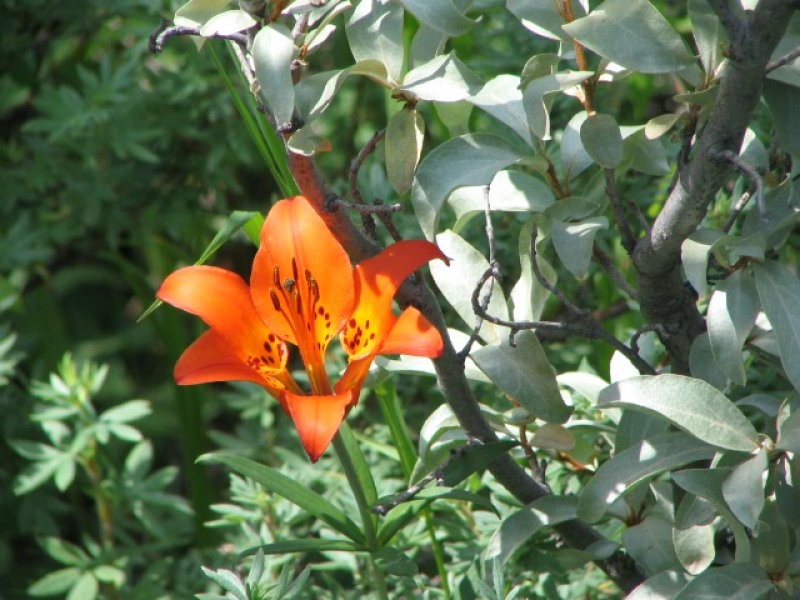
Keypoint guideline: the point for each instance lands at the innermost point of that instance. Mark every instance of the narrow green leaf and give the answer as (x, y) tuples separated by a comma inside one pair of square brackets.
[(709, 34), (236, 220), (535, 98), (127, 412), (359, 464), (732, 312), (405, 133), (228, 581), (273, 53), (694, 256), (642, 461), (664, 586), (305, 545), (442, 79), (690, 404), (54, 583), (288, 488), (395, 420), (779, 291), (524, 374), (634, 34), (649, 543), (85, 588)]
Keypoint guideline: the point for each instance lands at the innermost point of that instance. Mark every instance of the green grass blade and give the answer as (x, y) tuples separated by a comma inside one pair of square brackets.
[(288, 488)]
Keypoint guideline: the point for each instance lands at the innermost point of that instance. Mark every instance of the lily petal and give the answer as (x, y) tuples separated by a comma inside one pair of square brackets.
[(317, 419), (414, 335), (209, 360), (298, 249), (222, 299), (377, 281)]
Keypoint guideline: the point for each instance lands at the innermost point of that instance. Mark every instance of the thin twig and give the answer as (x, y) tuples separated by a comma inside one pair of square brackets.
[(436, 475), (537, 468), (737, 208), (783, 60), (657, 327), (366, 209), (386, 219), (494, 273), (352, 179), (628, 238), (163, 33), (752, 174)]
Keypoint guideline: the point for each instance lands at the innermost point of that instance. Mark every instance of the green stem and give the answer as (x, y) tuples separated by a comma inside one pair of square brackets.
[(380, 581), (367, 516), (360, 492), (438, 552)]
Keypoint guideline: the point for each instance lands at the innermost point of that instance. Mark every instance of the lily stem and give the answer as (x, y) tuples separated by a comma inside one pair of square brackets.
[(367, 517)]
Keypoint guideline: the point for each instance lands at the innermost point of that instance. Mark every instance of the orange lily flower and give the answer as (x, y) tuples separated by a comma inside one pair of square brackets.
[(303, 291)]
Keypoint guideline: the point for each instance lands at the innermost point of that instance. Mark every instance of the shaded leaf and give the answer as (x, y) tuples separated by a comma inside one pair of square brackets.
[(743, 489), (273, 53), (732, 582), (405, 133), (602, 139)]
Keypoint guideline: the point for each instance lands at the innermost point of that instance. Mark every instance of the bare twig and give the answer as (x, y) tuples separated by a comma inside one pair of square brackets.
[(751, 173), (657, 327), (737, 208), (352, 179), (163, 33), (436, 475), (364, 209), (493, 273), (783, 60), (537, 468), (388, 223)]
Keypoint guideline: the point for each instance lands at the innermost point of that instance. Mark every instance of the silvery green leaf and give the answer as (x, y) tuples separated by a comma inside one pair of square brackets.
[(455, 116), (789, 73), (529, 295), (709, 35), (640, 462), (647, 156), (471, 159), (779, 291), (772, 229), (427, 44), (405, 133), (196, 12), (441, 15), (658, 126), (273, 53), (602, 139), (753, 151), (535, 98), (457, 282), (443, 79), (649, 543), (315, 93), (226, 23), (574, 158), (693, 534), (375, 31), (703, 365), (502, 99), (743, 489), (738, 581), (632, 33), (694, 256), (542, 17), (539, 65), (732, 312), (633, 427), (524, 374), (664, 586), (782, 100), (520, 526), (511, 191), (690, 404), (573, 242)]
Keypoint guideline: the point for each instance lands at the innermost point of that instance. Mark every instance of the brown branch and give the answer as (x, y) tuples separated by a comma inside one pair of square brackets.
[(750, 172), (783, 60), (352, 179), (662, 295), (163, 33)]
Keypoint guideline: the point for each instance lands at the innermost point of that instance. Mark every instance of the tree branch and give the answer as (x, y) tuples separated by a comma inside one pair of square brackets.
[(662, 295)]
